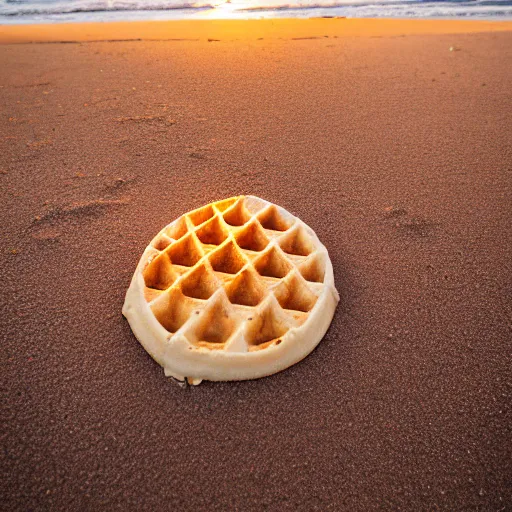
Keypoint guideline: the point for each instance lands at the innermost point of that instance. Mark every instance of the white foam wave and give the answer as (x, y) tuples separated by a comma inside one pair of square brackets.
[(33, 11)]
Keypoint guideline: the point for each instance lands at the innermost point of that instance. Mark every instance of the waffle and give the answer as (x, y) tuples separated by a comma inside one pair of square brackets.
[(235, 290)]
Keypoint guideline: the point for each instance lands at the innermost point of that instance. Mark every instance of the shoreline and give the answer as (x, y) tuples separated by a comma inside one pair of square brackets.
[(218, 30)]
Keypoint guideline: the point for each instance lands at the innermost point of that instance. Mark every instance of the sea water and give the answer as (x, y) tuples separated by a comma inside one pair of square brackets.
[(54, 11)]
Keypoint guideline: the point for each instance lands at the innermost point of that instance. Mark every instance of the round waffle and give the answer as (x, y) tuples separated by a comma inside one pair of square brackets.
[(235, 290)]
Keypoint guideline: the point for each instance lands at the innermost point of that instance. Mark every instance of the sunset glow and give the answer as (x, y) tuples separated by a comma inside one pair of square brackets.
[(222, 10)]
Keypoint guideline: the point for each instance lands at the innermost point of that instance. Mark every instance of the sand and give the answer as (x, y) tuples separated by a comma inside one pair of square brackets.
[(394, 148)]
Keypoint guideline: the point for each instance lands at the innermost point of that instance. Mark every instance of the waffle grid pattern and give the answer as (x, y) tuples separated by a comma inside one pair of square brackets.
[(234, 275)]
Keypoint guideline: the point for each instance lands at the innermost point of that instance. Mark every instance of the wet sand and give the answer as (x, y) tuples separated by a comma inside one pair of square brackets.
[(394, 145)]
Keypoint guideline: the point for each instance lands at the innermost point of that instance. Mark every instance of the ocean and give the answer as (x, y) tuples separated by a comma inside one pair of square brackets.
[(60, 11)]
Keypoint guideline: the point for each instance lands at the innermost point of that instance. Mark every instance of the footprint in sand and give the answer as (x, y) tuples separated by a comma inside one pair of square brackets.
[(50, 226), (115, 186), (415, 227)]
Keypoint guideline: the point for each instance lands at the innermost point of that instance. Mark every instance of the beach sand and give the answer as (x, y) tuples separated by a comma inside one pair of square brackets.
[(391, 139)]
